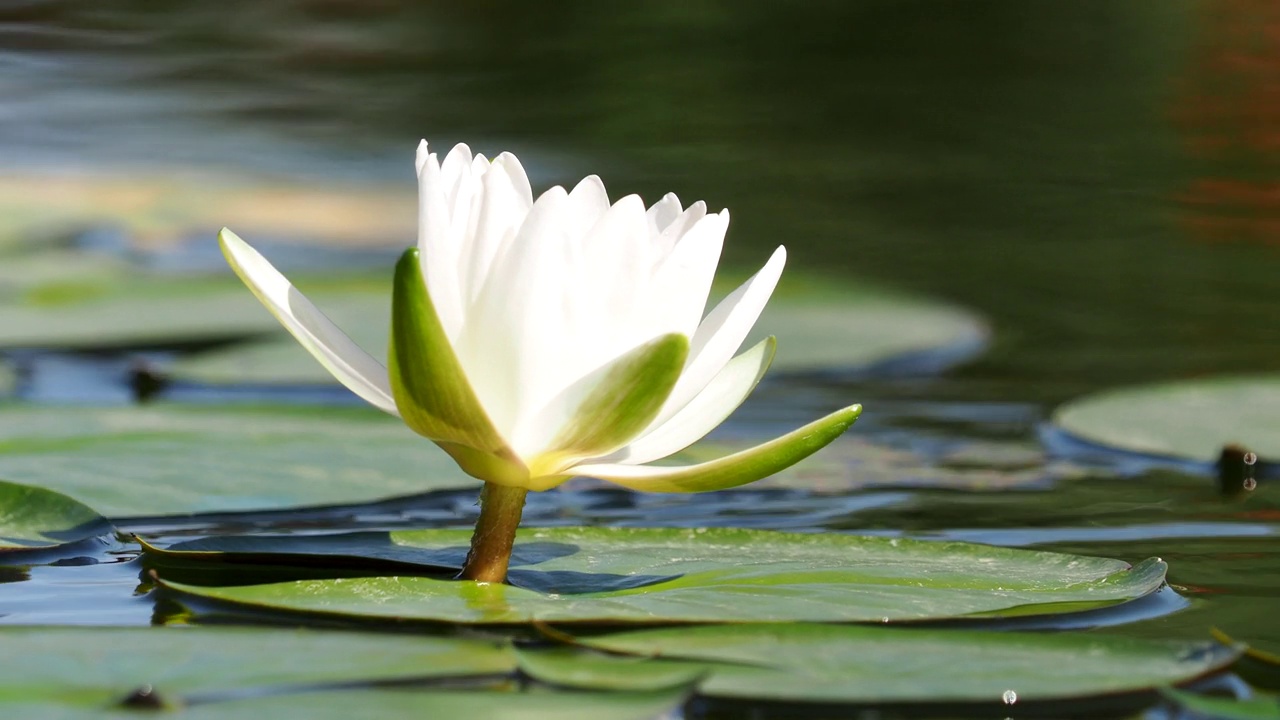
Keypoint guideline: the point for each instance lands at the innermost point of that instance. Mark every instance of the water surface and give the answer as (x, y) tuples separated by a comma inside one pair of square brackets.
[(1097, 178)]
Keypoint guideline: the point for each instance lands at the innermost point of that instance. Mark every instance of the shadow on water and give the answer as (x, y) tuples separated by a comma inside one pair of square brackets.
[(10, 574)]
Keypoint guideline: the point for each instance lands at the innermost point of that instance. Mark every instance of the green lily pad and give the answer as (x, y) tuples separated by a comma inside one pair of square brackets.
[(197, 673), (33, 518), (159, 460), (622, 575), (875, 665), (76, 673), (123, 308), (1190, 420), (96, 667), (1260, 707), (820, 324), (830, 323), (572, 668), (509, 704), (54, 275)]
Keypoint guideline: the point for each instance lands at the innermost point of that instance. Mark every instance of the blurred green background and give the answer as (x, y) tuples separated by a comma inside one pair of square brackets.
[(1096, 177)]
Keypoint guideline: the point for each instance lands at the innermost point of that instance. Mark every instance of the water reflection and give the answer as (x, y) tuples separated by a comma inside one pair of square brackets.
[(1228, 115)]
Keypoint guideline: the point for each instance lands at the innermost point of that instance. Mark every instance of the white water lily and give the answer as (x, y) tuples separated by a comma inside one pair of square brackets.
[(536, 340)]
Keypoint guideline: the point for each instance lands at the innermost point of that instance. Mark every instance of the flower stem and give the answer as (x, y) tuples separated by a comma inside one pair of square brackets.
[(500, 509)]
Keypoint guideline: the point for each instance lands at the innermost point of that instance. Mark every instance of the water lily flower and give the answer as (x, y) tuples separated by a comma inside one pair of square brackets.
[(537, 340)]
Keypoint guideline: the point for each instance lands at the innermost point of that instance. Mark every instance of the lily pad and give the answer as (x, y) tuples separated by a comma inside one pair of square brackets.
[(50, 275), (508, 704), (573, 668), (826, 323), (198, 673), (97, 667), (122, 309), (820, 325), (1260, 707), (159, 460), (33, 518), (621, 575), (1190, 420), (875, 665)]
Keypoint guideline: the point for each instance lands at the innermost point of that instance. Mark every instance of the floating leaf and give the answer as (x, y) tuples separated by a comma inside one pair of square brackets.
[(1260, 707), (96, 667), (254, 673), (33, 518), (567, 667), (830, 323), (157, 460), (877, 665), (1191, 419), (123, 309), (711, 575), (511, 704)]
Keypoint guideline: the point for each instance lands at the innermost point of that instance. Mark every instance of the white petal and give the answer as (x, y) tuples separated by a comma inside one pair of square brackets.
[(519, 179), (460, 185), (672, 234), (681, 284), (615, 278), (588, 202), (512, 346), (438, 248), (504, 206), (726, 391), (663, 212), (351, 365), (421, 158), (455, 163), (722, 332)]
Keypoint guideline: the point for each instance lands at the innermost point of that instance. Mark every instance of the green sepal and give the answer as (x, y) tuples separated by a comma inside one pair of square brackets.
[(430, 388), (733, 470), (624, 397)]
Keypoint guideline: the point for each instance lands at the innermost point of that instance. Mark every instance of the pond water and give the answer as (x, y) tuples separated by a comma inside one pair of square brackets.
[(1096, 179)]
